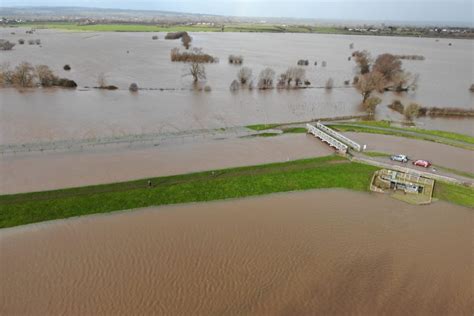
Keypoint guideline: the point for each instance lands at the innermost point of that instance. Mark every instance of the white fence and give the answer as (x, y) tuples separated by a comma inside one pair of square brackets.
[(327, 138), (340, 137)]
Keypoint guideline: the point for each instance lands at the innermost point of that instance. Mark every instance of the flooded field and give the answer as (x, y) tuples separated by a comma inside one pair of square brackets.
[(317, 252), (53, 170), (54, 114)]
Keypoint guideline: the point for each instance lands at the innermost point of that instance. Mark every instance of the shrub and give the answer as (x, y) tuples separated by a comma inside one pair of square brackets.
[(154, 37), (207, 88), (351, 46), (265, 79), (234, 86), (65, 83), (6, 75), (397, 106), (133, 87), (355, 80), (101, 80), (37, 41), (329, 84), (31, 42), (67, 67), (303, 62), (196, 55), (472, 88), (307, 83), (6, 45), (244, 75), (237, 60), (324, 63), (21, 41), (175, 35), (347, 82), (363, 61), (45, 76), (412, 111)]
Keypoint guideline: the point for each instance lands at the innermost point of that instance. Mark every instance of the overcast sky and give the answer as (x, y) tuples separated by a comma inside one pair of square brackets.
[(380, 10)]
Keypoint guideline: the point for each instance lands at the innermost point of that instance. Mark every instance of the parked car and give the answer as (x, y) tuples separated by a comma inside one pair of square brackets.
[(401, 158), (422, 163)]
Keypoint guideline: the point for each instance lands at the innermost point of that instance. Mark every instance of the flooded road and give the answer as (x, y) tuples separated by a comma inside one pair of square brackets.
[(52, 114), (49, 170), (328, 252)]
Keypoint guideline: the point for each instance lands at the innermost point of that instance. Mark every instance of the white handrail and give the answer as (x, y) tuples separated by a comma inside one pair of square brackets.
[(340, 137), (327, 138)]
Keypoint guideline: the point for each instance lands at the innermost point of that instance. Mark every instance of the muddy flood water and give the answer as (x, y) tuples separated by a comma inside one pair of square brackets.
[(331, 252), (56, 114)]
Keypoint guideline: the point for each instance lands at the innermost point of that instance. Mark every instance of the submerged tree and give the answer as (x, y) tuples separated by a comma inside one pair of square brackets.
[(265, 79), (24, 75), (368, 83), (363, 61), (244, 75), (197, 71), (186, 40)]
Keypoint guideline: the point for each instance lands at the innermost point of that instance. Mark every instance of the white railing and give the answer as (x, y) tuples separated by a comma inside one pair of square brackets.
[(340, 137), (327, 138)]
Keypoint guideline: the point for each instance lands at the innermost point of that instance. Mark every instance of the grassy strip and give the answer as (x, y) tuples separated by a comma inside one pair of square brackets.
[(455, 171), (454, 193), (294, 130), (399, 133), (444, 134), (375, 154), (325, 172), (262, 127)]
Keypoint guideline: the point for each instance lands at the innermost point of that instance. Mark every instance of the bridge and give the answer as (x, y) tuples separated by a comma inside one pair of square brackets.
[(349, 142), (325, 137)]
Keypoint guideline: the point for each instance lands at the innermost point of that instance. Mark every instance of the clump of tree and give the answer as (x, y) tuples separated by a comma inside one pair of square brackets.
[(324, 64), (294, 75), (186, 40), (244, 75), (21, 41), (133, 87), (370, 105), (303, 62), (37, 41), (175, 35), (207, 88), (471, 88), (347, 82), (25, 75), (195, 55), (329, 84), (265, 78), (385, 74), (31, 42), (67, 67), (397, 106), (197, 71), (6, 45), (236, 60), (154, 37)]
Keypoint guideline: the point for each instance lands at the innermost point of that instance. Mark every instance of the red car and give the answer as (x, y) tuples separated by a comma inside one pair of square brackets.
[(422, 163)]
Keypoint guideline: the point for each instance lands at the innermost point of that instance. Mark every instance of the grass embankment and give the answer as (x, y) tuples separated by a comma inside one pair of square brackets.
[(325, 172), (454, 193)]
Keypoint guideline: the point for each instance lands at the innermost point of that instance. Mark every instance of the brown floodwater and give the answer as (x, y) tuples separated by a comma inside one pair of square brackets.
[(329, 252), (53, 114), (56, 170)]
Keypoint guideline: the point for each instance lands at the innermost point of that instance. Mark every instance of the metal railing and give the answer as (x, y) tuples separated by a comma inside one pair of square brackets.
[(340, 137), (327, 138)]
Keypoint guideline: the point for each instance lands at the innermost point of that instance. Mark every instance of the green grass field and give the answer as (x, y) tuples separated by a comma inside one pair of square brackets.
[(232, 27)]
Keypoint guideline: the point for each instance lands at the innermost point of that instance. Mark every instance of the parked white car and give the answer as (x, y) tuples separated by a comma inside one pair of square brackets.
[(400, 158)]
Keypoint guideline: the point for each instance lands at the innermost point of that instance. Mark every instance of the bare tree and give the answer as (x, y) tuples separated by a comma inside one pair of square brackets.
[(133, 87), (45, 76), (197, 71), (329, 84), (388, 65), (238, 60), (471, 88), (244, 75), (265, 79), (24, 75), (368, 83), (186, 40), (6, 75), (370, 105), (21, 41), (101, 80), (234, 86), (404, 81), (363, 61)]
